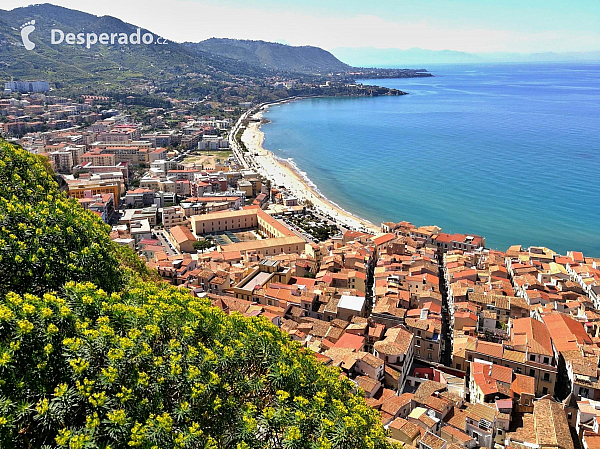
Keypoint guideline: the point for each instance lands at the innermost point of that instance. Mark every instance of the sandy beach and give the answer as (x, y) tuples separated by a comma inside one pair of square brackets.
[(282, 173)]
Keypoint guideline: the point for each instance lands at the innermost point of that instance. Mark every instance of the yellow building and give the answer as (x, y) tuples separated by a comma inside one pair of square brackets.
[(78, 190)]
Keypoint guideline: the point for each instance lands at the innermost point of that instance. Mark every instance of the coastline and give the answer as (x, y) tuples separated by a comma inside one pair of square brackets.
[(285, 173)]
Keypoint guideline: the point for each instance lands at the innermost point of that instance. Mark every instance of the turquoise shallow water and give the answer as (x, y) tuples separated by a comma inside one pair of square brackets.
[(510, 152)]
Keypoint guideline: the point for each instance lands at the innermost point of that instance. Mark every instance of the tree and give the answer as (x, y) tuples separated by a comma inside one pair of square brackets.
[(202, 245)]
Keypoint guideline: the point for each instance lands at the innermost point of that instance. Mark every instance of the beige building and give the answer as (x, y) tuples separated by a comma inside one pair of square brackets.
[(544, 374), (404, 431), (428, 341), (174, 216), (224, 221), (98, 159), (182, 238), (278, 238)]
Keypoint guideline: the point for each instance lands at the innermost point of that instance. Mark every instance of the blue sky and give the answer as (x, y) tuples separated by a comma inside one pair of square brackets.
[(522, 26)]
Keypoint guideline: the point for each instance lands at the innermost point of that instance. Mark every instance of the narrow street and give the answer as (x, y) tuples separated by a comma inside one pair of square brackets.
[(446, 332)]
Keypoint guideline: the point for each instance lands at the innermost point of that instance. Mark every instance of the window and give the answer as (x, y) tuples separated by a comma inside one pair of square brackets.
[(532, 357), (544, 390), (546, 377), (499, 431), (518, 370), (458, 366), (532, 372), (546, 360)]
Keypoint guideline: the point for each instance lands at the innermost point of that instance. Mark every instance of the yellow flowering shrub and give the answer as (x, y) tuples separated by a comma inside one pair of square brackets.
[(99, 355), (34, 247)]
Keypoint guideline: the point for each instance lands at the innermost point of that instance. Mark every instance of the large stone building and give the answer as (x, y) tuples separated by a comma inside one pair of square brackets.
[(278, 239)]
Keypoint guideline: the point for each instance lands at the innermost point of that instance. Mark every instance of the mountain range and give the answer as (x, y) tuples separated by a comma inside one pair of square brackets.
[(219, 59), (110, 63), (394, 57)]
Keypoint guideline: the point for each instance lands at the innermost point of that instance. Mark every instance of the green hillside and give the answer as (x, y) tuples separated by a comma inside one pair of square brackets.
[(96, 353), (107, 63), (270, 55)]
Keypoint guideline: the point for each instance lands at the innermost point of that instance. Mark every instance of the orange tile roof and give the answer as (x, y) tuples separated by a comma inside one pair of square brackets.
[(534, 334), (409, 429), (488, 348), (351, 341), (182, 234), (523, 384), (383, 239), (566, 333)]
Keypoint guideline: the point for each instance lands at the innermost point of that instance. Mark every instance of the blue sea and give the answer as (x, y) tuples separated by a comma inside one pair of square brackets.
[(509, 152)]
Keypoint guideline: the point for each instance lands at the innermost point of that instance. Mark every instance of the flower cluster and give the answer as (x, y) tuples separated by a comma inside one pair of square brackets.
[(138, 363), (154, 366), (45, 238)]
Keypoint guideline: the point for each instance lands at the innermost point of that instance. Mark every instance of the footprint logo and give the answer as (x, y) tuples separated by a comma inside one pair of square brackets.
[(26, 30)]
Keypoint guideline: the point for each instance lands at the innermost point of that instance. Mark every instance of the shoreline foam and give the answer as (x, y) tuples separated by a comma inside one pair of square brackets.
[(286, 173)]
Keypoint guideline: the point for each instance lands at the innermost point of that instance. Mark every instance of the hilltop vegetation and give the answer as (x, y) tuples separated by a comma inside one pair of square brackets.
[(45, 238), (99, 354), (274, 56), (225, 71), (100, 63)]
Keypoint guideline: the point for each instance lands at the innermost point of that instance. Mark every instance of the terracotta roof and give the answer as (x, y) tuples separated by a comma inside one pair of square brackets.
[(182, 234), (488, 348), (526, 433), (351, 341), (458, 434), (551, 426), (458, 418), (367, 383), (566, 333), (590, 439), (523, 385), (533, 334), (437, 404), (515, 356), (583, 365), (409, 429), (501, 373), (432, 441), (371, 360), (393, 404), (481, 411), (426, 389), (383, 239)]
